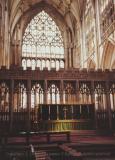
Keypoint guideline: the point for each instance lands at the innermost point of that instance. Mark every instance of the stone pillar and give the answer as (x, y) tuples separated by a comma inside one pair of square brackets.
[(12, 56), (72, 57), (6, 54), (18, 45), (97, 32), (66, 57), (0, 19), (16, 53), (83, 48), (1, 38), (69, 57)]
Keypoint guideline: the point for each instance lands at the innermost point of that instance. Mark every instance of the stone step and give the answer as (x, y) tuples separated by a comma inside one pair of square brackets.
[(41, 155)]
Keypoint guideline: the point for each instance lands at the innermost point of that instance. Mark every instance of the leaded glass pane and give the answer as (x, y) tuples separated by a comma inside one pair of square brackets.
[(42, 39)]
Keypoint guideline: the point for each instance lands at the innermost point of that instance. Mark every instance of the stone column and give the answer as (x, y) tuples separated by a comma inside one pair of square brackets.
[(66, 58), (83, 48), (69, 57), (6, 54), (12, 56), (97, 32), (1, 38)]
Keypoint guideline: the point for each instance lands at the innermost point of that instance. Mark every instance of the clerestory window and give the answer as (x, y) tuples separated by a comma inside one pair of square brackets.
[(42, 44)]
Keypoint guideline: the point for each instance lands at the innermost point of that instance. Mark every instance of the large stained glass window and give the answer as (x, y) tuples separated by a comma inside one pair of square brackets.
[(42, 43)]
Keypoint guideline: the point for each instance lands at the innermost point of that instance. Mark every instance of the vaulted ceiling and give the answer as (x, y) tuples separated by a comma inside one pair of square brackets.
[(61, 5), (19, 7)]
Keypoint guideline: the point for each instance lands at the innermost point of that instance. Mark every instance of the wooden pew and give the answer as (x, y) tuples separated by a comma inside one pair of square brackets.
[(28, 135)]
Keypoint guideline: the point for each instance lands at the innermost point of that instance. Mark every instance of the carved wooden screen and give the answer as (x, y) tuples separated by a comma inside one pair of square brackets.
[(42, 43), (4, 97), (100, 96), (20, 97), (85, 93), (37, 95), (112, 96), (53, 94), (69, 93)]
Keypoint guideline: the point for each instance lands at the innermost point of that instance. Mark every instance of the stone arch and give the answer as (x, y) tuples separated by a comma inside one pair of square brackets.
[(108, 56), (91, 64), (26, 18)]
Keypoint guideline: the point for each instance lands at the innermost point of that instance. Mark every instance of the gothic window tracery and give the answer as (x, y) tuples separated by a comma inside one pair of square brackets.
[(42, 41)]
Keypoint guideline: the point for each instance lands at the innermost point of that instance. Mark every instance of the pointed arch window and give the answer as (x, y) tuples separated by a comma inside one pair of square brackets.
[(42, 40)]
